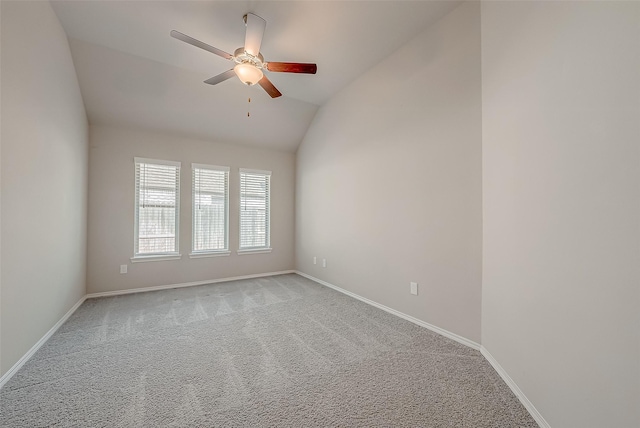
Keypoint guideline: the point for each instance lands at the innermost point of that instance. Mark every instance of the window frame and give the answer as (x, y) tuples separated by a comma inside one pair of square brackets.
[(261, 249), (159, 256), (209, 253)]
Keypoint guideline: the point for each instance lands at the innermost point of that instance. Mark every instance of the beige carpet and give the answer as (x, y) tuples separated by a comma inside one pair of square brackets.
[(280, 351)]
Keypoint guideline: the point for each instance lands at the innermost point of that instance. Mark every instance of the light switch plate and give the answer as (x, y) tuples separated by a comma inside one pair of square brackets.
[(413, 288)]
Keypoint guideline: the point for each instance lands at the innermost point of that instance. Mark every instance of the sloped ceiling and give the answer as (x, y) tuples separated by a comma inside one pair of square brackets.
[(132, 73)]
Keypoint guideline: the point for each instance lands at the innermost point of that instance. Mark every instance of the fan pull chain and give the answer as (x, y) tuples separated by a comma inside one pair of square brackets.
[(248, 114)]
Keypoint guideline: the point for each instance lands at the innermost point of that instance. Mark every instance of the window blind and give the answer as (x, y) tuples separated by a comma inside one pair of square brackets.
[(210, 208), (254, 209), (157, 207)]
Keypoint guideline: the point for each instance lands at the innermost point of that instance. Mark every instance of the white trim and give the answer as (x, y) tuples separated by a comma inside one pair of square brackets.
[(18, 365), (227, 178), (136, 195), (254, 171), (185, 284), (155, 258), (156, 161), (13, 370), (211, 167), (535, 414), (253, 251), (441, 331), (209, 254)]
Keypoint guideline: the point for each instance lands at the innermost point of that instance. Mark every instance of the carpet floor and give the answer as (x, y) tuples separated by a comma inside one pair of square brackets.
[(280, 351)]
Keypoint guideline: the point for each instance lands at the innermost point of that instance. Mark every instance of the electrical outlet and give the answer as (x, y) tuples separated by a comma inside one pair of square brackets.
[(324, 263), (413, 288), (315, 260), (123, 268)]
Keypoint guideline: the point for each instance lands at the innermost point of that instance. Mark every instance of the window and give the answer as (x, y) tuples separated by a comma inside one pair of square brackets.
[(254, 210), (157, 208), (210, 210)]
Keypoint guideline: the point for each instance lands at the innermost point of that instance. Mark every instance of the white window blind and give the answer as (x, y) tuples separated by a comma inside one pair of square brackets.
[(157, 207), (254, 209), (210, 208)]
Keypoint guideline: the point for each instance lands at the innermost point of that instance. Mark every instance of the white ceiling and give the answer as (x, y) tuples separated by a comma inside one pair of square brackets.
[(132, 73)]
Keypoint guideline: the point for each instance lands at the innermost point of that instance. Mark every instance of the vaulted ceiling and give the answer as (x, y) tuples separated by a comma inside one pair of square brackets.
[(133, 74)]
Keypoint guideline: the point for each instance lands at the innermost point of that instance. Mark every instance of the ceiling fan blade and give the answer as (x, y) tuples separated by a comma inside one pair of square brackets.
[(292, 67), (195, 42), (221, 77), (255, 31), (268, 86)]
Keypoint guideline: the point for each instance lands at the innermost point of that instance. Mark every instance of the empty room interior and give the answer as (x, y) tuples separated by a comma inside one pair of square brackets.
[(320, 213)]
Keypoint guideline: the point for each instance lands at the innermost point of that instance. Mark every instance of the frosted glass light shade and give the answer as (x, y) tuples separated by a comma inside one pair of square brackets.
[(248, 74)]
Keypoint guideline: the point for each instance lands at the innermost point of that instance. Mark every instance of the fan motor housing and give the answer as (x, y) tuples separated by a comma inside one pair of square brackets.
[(241, 56)]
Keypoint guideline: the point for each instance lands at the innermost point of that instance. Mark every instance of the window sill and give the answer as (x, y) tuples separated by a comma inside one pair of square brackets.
[(253, 251), (209, 254), (156, 258)]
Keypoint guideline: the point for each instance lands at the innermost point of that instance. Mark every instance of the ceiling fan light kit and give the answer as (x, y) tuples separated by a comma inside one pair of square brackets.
[(248, 67), (248, 74), (249, 62)]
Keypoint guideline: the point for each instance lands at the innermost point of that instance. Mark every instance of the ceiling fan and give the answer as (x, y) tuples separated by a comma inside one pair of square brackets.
[(249, 62)]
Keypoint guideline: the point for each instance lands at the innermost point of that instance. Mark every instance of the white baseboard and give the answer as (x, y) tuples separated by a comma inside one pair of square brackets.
[(441, 331), (498, 368), (12, 371), (184, 284), (535, 414)]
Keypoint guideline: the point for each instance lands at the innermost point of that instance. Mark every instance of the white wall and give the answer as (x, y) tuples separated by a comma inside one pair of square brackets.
[(43, 177), (388, 185), (111, 209), (561, 140)]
